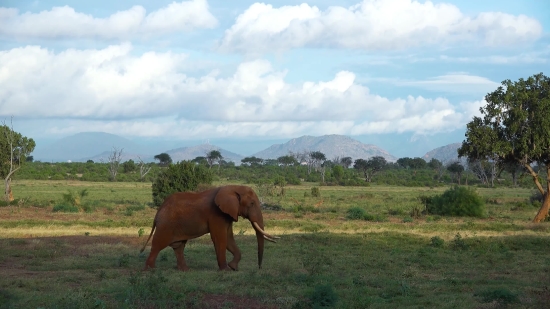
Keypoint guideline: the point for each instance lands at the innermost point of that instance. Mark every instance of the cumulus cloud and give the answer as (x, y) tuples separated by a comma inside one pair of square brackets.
[(65, 22), (372, 25), (151, 94)]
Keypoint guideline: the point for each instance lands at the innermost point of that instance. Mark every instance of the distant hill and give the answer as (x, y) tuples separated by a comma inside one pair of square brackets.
[(84, 146), (444, 154), (331, 145), (190, 153)]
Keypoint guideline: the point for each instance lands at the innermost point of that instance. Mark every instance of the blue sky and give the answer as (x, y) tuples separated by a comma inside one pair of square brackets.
[(405, 75)]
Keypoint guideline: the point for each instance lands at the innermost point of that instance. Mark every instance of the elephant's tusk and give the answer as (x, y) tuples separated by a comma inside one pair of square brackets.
[(270, 239), (266, 235)]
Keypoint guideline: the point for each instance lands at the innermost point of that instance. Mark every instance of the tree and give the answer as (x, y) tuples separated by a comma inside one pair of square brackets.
[(181, 177), (456, 169), (143, 169), (514, 168), (14, 149), (129, 166), (317, 159), (29, 159), (163, 158), (370, 167), (114, 162), (252, 161), (213, 156), (200, 160), (346, 162), (437, 166), (287, 160), (338, 172), (515, 127)]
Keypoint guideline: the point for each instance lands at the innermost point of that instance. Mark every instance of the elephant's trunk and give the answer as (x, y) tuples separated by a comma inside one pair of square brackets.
[(260, 238)]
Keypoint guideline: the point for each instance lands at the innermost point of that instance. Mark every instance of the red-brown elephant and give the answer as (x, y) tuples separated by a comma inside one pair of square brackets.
[(187, 215)]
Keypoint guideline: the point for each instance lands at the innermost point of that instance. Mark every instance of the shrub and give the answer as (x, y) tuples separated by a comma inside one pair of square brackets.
[(74, 199), (408, 220), (315, 192), (437, 242), (180, 177), (356, 213), (457, 201), (323, 296), (65, 208)]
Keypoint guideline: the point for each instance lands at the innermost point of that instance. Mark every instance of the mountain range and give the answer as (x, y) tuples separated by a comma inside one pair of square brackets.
[(97, 146)]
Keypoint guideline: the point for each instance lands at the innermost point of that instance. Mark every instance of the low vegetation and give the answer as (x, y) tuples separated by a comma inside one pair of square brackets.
[(341, 247)]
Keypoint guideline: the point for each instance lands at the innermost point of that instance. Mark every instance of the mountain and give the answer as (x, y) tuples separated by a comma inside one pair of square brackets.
[(190, 153), (331, 145), (444, 154), (86, 145)]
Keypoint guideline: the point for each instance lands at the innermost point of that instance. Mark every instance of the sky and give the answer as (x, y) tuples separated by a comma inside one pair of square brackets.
[(404, 75)]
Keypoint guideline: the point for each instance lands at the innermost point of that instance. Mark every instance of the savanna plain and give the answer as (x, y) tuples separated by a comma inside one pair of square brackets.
[(391, 256)]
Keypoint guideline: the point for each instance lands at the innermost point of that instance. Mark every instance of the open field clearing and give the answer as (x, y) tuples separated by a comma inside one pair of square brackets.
[(90, 258)]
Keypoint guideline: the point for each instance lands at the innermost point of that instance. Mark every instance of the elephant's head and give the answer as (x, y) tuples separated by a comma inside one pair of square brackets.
[(242, 201)]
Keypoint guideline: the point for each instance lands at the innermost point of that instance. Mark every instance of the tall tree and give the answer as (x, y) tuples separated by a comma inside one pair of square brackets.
[(515, 127), (14, 149), (456, 169), (346, 162), (163, 158), (214, 156), (317, 159), (370, 167)]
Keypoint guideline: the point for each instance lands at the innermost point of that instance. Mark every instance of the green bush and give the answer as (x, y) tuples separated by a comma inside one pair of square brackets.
[(65, 208), (437, 242), (315, 192), (356, 213), (180, 177), (323, 296), (457, 201)]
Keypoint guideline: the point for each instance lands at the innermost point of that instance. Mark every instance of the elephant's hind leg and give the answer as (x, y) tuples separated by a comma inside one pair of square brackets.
[(232, 247), (178, 250), (160, 241)]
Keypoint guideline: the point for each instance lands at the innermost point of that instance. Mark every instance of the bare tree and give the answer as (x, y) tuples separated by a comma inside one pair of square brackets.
[(114, 162), (143, 169), (300, 156)]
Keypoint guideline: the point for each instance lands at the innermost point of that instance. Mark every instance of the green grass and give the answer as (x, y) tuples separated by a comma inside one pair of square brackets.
[(384, 256)]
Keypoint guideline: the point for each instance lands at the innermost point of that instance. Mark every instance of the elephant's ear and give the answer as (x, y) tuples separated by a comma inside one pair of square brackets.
[(228, 200)]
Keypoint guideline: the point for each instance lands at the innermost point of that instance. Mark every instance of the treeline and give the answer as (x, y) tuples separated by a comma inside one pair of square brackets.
[(293, 169)]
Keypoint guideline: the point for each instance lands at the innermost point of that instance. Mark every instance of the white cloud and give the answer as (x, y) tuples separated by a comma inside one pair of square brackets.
[(455, 82), (65, 22), (372, 25), (151, 95)]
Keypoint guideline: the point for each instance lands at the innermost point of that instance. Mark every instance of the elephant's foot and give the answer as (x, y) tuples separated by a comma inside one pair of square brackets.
[(183, 268), (226, 268), (233, 265)]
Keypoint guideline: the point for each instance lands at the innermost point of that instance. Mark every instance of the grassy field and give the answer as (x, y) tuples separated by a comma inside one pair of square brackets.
[(90, 258)]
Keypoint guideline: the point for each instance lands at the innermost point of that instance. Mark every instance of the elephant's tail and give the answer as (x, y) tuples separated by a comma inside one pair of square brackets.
[(152, 230)]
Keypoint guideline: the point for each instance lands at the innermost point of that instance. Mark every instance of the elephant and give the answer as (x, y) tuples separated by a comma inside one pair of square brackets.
[(187, 215)]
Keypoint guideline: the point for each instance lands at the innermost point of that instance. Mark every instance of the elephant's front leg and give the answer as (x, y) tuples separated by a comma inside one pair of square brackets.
[(232, 247), (219, 238), (178, 250)]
